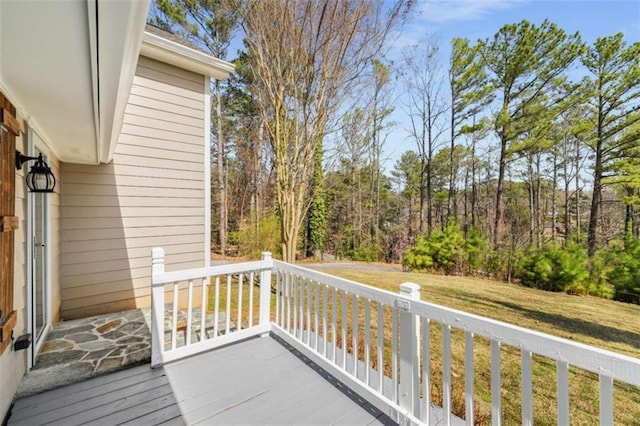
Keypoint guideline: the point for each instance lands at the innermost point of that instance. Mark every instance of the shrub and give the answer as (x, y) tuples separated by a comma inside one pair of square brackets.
[(360, 248), (624, 270), (444, 251), (252, 240), (366, 253), (476, 247), (598, 284), (555, 268), (418, 257)]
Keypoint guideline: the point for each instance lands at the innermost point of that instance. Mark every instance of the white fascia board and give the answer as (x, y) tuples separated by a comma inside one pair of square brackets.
[(119, 47), (161, 49), (92, 13)]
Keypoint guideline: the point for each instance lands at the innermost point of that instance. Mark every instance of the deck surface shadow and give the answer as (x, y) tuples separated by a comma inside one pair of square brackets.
[(258, 381)]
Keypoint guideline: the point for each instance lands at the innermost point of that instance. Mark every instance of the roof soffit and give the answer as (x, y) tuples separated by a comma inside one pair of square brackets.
[(68, 67)]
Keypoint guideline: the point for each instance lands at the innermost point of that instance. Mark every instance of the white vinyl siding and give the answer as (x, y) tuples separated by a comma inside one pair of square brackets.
[(54, 235), (152, 194)]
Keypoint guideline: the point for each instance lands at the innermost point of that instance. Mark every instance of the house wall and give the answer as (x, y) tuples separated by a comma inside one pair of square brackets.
[(13, 364), (54, 238), (153, 193)]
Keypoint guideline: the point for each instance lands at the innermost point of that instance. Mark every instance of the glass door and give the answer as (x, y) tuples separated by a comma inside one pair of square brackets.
[(38, 213), (40, 314)]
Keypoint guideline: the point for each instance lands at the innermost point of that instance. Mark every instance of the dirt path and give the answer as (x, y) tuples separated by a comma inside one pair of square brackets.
[(351, 266), (355, 266)]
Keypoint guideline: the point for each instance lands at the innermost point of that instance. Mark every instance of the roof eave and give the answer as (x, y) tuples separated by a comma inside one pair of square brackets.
[(167, 51), (116, 72)]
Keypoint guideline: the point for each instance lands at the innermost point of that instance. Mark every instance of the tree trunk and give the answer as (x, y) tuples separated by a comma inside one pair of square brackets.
[(450, 199), (466, 201), (537, 210), (355, 204), (222, 194), (502, 165), (532, 197), (474, 189), (410, 221), (597, 190), (578, 217), (422, 194), (628, 216), (290, 228), (554, 205), (429, 196), (375, 166), (254, 173), (595, 203), (567, 196)]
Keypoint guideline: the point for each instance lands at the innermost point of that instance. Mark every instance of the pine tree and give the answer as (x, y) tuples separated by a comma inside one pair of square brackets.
[(470, 94), (614, 89), (524, 61)]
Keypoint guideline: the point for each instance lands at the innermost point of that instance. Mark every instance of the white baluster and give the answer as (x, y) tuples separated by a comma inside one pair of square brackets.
[(409, 386), (157, 307)]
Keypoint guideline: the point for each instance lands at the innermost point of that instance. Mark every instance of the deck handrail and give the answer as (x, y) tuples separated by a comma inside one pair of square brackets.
[(337, 323), (198, 322), (412, 316), (600, 361)]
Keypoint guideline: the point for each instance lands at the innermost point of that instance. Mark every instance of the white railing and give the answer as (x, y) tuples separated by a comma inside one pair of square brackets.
[(383, 344), (208, 308)]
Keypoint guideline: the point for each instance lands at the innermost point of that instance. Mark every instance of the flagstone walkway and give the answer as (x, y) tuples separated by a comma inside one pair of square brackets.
[(79, 349)]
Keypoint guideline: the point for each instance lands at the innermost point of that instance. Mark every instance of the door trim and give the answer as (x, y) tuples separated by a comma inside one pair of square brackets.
[(35, 142)]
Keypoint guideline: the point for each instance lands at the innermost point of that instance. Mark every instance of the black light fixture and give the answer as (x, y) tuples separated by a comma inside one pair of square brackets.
[(40, 178)]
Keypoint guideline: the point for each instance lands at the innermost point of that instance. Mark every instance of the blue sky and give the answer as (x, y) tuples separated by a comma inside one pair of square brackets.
[(476, 19)]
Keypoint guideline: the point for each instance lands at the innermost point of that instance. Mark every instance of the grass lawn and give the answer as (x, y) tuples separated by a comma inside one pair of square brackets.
[(606, 324)]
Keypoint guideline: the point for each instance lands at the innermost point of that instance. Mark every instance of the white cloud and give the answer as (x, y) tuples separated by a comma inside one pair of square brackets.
[(463, 10), (436, 16)]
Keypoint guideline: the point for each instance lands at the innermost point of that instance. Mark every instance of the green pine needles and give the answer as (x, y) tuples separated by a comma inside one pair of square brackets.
[(447, 251)]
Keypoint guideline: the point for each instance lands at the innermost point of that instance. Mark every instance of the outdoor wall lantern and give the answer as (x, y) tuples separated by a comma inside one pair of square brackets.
[(40, 178)]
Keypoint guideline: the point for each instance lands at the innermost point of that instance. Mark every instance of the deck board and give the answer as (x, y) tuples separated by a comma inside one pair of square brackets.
[(131, 394), (268, 384), (61, 408), (154, 411), (124, 404), (91, 386), (258, 381)]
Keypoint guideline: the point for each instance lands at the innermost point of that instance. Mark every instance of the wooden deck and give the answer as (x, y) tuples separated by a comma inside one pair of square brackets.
[(259, 381)]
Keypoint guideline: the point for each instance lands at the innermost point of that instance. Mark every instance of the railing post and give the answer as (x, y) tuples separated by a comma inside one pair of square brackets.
[(409, 386), (157, 307), (265, 290)]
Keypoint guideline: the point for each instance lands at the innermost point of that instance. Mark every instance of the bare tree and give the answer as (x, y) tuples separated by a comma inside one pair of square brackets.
[(426, 109), (356, 144), (309, 55), (210, 26), (380, 109)]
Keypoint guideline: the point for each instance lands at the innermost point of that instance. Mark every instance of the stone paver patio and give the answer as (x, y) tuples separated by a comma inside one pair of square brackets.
[(79, 349)]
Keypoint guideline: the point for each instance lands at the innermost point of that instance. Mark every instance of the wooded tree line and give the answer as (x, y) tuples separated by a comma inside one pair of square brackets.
[(525, 140)]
